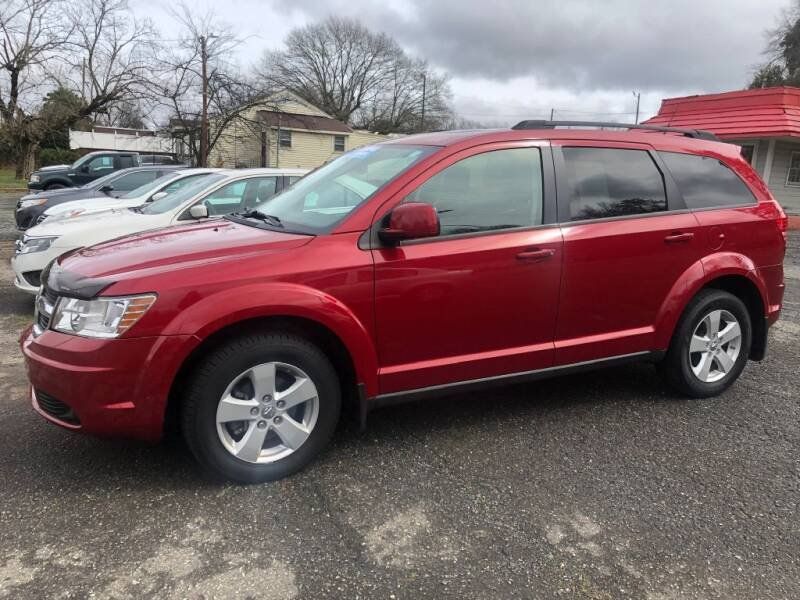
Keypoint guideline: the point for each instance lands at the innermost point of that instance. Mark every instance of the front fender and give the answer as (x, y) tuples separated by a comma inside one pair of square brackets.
[(275, 299), (693, 279)]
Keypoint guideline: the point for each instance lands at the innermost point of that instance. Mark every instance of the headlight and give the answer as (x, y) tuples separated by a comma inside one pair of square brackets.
[(101, 317), (34, 179), (35, 244), (32, 202)]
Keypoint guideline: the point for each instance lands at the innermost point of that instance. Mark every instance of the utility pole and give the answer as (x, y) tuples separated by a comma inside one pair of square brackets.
[(638, 96), (552, 113), (422, 119), (204, 112)]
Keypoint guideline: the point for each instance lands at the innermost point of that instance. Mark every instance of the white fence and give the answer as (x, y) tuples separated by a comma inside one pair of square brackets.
[(95, 140)]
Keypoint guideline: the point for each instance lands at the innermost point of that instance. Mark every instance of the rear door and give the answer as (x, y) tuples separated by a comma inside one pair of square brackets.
[(627, 239)]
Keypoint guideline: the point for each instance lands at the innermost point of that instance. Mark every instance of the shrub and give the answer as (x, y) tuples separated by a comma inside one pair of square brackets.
[(57, 156)]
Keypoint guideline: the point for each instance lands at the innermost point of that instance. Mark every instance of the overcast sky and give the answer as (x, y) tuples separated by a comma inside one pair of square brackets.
[(512, 59)]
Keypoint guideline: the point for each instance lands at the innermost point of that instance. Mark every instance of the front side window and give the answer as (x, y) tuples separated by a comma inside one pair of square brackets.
[(323, 198), (705, 182), (131, 181), (100, 163), (612, 182), (285, 138), (186, 193), (240, 195), (793, 176), (495, 190)]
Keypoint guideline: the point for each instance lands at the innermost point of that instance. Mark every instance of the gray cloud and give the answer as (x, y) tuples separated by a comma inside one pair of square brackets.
[(669, 45)]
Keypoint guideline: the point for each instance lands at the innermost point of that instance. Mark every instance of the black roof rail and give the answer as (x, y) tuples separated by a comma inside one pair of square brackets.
[(543, 124)]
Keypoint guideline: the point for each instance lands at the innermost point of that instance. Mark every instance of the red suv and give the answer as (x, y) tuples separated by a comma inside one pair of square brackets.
[(419, 266)]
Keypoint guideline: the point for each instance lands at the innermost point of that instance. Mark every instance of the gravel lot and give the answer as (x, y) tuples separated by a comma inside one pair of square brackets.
[(596, 486)]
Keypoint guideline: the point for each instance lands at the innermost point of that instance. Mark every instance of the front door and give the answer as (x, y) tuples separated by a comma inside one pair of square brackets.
[(479, 300)]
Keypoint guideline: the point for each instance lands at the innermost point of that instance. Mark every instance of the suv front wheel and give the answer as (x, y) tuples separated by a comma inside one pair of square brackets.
[(710, 346), (261, 407)]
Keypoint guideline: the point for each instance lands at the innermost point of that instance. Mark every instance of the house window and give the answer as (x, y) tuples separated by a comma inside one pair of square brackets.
[(793, 177), (338, 143), (748, 152), (285, 138)]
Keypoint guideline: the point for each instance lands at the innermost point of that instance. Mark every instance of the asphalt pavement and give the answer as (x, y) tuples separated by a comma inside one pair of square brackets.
[(594, 486)]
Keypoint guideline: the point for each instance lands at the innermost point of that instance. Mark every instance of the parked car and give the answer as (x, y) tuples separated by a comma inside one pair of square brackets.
[(419, 266), (31, 207), (213, 195), (87, 168), (155, 190)]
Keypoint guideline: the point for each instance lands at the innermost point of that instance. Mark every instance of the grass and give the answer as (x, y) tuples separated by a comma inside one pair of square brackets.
[(8, 181)]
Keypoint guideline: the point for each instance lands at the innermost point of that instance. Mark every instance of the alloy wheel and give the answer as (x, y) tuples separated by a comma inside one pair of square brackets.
[(715, 346), (267, 412)]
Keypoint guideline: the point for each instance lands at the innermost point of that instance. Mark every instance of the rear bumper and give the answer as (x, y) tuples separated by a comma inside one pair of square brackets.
[(109, 388)]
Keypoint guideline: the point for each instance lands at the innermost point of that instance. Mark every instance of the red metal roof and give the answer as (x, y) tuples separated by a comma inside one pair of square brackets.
[(766, 112)]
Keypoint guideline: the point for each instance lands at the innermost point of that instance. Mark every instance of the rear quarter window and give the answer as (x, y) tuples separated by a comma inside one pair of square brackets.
[(706, 182)]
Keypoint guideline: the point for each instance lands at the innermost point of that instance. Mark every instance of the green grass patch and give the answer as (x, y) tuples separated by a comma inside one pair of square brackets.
[(8, 181)]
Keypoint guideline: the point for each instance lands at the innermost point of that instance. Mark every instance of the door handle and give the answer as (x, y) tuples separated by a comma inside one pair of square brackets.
[(676, 238), (536, 255)]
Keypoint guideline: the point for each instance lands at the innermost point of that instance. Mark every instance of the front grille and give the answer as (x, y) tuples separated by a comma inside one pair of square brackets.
[(55, 408), (33, 278), (50, 296)]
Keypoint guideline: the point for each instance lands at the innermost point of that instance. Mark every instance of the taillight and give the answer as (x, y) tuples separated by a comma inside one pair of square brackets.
[(783, 226)]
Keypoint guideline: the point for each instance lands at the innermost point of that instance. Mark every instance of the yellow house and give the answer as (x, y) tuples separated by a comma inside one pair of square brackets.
[(284, 131)]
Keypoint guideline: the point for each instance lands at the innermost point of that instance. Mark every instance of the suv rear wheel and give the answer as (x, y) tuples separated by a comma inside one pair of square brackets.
[(261, 407), (710, 346)]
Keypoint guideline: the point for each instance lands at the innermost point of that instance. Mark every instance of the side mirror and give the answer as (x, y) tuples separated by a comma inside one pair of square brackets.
[(157, 196), (199, 211), (410, 221), (107, 188)]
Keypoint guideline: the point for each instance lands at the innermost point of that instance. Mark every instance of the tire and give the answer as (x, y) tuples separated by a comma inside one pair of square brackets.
[(54, 186), (684, 369), (229, 383)]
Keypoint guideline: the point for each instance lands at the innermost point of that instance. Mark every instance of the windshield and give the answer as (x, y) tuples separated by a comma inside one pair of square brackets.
[(176, 199), (321, 199)]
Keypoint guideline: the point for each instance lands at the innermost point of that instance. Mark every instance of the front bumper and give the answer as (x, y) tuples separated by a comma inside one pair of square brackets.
[(25, 266), (109, 388)]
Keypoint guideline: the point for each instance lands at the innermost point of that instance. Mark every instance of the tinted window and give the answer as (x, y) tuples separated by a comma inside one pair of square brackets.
[(608, 182), (706, 182), (126, 162), (131, 181), (494, 190)]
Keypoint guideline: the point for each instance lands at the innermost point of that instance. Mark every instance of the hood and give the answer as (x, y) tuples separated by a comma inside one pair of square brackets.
[(88, 227), (52, 168), (69, 194), (97, 204), (182, 246)]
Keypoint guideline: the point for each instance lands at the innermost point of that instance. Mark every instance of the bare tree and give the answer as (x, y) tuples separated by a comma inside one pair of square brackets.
[(358, 76), (414, 98), (95, 48), (337, 65), (179, 84), (31, 31)]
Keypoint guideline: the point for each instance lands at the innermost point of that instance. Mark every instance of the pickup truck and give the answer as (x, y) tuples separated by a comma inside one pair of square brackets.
[(87, 168)]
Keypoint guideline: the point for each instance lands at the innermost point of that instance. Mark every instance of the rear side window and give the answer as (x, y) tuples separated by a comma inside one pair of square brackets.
[(612, 182), (706, 182)]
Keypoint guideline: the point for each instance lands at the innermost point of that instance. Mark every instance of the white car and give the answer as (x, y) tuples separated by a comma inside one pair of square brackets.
[(155, 190), (213, 195)]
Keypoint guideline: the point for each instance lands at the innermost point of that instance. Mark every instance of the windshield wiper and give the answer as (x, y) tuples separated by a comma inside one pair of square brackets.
[(257, 214)]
